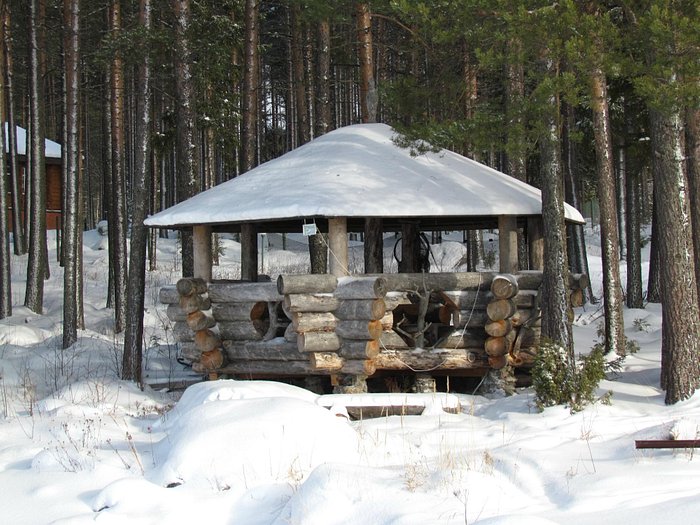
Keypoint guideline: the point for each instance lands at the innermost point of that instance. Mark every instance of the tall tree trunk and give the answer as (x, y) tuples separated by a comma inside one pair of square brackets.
[(5, 281), (680, 344), (107, 203), (654, 276), (692, 128), (576, 242), (633, 181), (38, 260), (249, 90), (556, 325), (187, 155), (301, 107), (117, 219), (620, 185), (72, 244), (374, 238), (133, 337), (368, 87), (318, 244), (249, 128), (612, 285), (18, 225)]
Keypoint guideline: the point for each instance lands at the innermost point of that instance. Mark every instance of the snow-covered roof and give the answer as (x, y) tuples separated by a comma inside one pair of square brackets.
[(52, 149), (354, 172)]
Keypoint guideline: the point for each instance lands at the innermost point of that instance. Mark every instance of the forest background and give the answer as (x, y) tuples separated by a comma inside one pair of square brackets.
[(155, 100)]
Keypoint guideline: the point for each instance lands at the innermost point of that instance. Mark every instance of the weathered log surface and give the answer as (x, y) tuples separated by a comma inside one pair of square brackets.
[(313, 322), (168, 295), (238, 311), (469, 338), (500, 309), (359, 349), (175, 313), (243, 292), (182, 332), (207, 340), (192, 303), (362, 287), (470, 319), (189, 352), (393, 299), (210, 360), (358, 368), (390, 339), (499, 346), (504, 286), (468, 300), (318, 342), (372, 309), (274, 350), (306, 284), (429, 360), (240, 331), (199, 321), (290, 335), (498, 328), (190, 286), (359, 329), (325, 361), (310, 303), (262, 368), (439, 281), (497, 362)]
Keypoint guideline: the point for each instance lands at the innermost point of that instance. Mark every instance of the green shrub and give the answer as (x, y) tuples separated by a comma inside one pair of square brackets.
[(561, 379)]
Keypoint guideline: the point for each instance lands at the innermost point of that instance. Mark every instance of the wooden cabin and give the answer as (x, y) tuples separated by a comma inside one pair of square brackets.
[(351, 327), (54, 179)]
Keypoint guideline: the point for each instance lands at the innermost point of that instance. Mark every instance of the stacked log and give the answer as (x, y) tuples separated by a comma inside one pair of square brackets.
[(193, 324), (359, 328), (321, 324), (248, 311)]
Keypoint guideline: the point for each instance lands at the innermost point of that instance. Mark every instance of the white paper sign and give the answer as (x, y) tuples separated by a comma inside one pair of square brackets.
[(309, 229)]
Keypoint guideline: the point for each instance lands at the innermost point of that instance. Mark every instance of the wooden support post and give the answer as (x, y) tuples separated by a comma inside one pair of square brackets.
[(338, 243), (201, 239), (535, 242), (374, 245), (508, 243), (249, 252)]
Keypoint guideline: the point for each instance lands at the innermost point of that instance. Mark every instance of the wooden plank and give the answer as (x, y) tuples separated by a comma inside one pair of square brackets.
[(666, 443)]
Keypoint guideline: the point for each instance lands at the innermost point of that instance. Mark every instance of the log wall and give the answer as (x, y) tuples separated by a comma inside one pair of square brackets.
[(326, 325)]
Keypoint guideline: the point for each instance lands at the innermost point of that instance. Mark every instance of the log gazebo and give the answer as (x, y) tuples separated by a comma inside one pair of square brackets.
[(350, 327)]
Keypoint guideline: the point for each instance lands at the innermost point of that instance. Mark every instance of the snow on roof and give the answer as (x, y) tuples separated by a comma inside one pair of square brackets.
[(52, 149), (358, 171)]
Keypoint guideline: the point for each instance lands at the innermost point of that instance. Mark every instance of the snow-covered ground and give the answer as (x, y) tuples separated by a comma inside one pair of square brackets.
[(77, 445)]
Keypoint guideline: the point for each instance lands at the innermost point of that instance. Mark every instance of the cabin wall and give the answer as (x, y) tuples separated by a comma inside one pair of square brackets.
[(306, 325)]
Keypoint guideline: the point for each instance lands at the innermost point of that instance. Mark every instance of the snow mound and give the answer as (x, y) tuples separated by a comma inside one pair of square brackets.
[(22, 335), (241, 440)]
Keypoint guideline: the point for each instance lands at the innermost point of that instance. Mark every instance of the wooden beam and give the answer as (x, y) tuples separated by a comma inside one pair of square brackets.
[(249, 252), (338, 243), (201, 240), (508, 243), (535, 241), (667, 443)]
